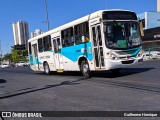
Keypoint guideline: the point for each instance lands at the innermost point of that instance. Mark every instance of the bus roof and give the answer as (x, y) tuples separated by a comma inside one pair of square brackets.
[(75, 22)]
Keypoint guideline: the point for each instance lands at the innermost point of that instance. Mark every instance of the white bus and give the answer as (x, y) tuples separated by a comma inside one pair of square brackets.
[(104, 40)]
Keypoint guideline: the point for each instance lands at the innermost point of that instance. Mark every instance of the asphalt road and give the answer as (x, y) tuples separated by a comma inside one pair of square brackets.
[(136, 88)]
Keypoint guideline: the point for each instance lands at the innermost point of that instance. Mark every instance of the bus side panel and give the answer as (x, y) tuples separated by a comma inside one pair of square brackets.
[(70, 65), (71, 55), (46, 57)]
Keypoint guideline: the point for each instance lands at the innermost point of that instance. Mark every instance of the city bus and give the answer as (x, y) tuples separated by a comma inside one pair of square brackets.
[(103, 40)]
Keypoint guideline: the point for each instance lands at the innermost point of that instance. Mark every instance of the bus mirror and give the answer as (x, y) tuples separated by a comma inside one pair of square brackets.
[(141, 28)]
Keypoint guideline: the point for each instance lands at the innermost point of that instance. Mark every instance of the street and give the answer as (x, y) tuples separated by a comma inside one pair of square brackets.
[(136, 88)]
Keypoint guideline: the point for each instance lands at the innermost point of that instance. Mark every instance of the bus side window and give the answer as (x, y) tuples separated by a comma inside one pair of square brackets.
[(64, 38), (86, 31), (81, 33), (29, 49), (70, 36), (40, 45), (77, 34), (67, 37), (47, 43)]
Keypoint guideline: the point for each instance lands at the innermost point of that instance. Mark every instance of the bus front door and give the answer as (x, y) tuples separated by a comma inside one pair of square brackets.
[(57, 55), (98, 47)]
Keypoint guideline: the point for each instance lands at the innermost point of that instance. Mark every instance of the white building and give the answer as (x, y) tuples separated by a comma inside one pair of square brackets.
[(20, 32), (36, 33), (150, 19), (151, 24)]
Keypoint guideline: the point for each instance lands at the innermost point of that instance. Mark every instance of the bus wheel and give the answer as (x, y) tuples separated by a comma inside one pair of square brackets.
[(116, 71), (46, 68), (85, 69)]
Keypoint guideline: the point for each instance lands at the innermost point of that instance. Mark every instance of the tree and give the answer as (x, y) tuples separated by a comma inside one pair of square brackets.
[(19, 55), (8, 57)]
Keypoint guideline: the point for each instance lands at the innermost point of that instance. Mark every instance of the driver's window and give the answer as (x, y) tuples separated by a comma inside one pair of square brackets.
[(109, 29), (133, 30), (109, 34)]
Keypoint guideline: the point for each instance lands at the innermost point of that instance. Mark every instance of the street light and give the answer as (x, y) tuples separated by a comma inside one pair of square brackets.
[(45, 3)]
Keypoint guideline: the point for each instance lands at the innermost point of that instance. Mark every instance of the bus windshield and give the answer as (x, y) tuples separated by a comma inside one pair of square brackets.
[(122, 34)]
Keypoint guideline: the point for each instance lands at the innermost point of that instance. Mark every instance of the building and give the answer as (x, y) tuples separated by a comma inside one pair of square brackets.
[(36, 33), (20, 33), (150, 19), (151, 25)]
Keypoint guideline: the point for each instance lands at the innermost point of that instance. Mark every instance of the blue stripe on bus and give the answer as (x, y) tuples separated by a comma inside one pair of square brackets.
[(33, 60), (73, 52), (132, 52), (51, 51)]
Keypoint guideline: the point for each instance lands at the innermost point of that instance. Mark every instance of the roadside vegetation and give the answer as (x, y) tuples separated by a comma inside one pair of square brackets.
[(16, 56)]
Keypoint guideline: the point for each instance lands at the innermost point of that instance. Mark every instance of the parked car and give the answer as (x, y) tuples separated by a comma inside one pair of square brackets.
[(4, 65), (21, 63)]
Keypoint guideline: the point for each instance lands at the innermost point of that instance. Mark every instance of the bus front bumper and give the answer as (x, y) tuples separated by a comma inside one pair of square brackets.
[(113, 64)]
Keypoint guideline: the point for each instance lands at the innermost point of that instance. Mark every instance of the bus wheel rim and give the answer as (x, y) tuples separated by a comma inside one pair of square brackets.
[(85, 68)]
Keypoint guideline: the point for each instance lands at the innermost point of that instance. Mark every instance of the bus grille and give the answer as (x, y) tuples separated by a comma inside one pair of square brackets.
[(128, 62)]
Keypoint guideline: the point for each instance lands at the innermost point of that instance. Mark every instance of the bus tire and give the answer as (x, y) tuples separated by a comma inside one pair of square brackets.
[(85, 69), (116, 71), (46, 68)]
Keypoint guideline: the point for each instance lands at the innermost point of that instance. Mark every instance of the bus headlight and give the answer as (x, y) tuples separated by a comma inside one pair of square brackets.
[(112, 56)]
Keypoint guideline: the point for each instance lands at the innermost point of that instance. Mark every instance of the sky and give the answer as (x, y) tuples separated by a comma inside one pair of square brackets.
[(60, 12)]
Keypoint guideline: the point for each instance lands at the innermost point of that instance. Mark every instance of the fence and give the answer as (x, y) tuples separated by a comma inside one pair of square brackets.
[(151, 53)]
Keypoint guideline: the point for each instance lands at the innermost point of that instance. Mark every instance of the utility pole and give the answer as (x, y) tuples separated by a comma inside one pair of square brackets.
[(47, 21), (1, 51)]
